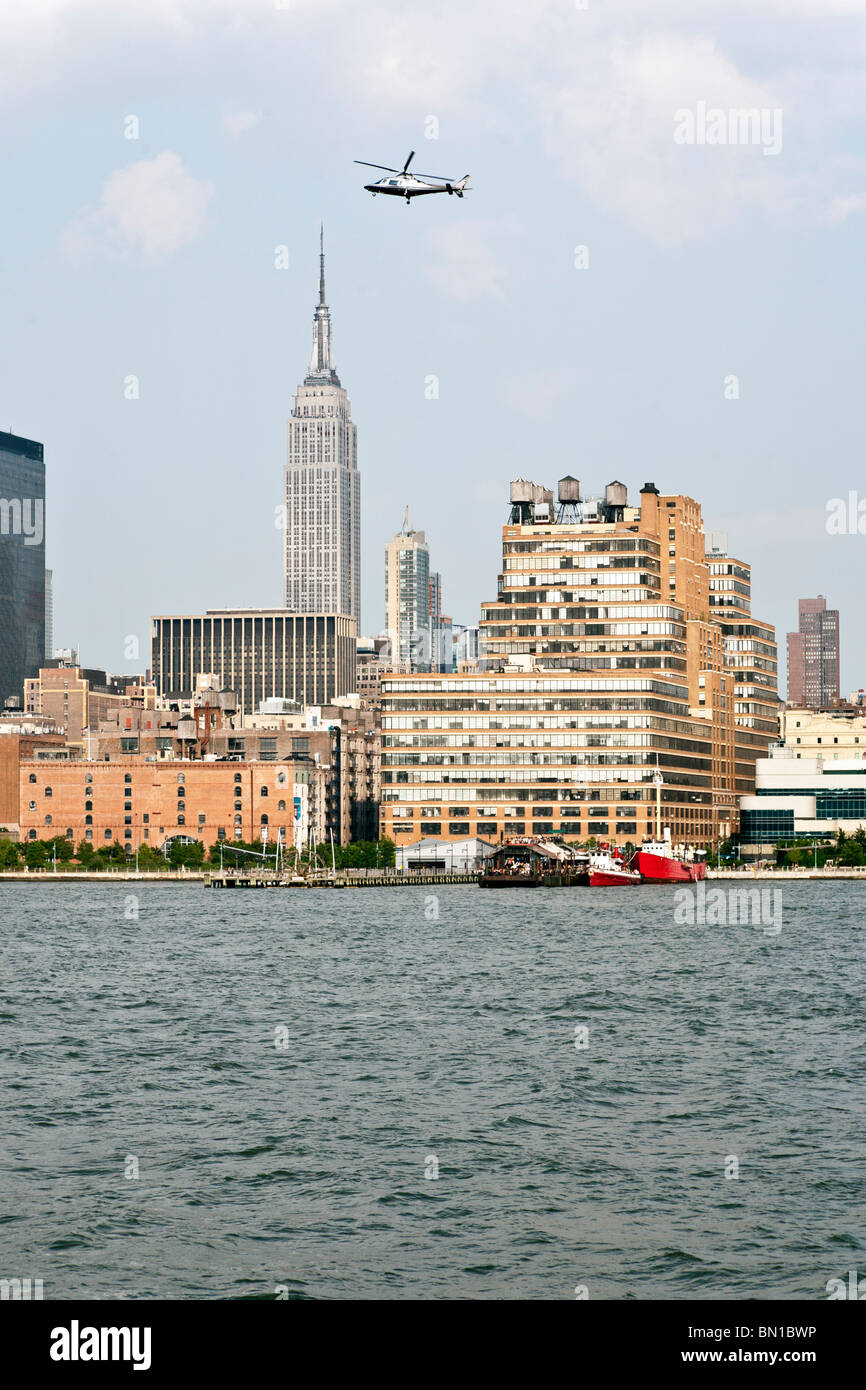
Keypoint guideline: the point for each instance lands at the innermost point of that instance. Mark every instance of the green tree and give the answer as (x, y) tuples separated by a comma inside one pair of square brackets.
[(10, 854), (35, 854), (63, 848)]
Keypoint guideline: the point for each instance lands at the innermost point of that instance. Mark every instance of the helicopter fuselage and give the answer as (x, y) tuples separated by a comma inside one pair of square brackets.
[(406, 186)]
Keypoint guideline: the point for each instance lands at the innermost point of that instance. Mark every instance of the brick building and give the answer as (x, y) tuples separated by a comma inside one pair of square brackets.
[(78, 699), (132, 801)]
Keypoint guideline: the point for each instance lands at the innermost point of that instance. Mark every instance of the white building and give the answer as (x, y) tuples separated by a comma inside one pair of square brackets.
[(435, 855), (322, 486), (802, 798), (407, 598)]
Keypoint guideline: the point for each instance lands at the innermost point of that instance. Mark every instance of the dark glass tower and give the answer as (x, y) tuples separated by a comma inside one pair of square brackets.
[(22, 562)]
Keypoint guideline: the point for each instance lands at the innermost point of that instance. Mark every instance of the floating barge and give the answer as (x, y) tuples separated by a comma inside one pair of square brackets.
[(528, 862)]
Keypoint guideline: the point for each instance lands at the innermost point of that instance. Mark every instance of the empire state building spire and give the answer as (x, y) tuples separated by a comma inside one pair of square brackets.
[(321, 363), (322, 487)]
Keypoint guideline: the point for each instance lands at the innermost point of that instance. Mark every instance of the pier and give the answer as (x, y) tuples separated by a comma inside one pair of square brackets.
[(350, 878)]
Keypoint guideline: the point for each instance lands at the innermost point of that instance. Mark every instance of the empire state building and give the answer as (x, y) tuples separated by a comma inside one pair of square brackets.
[(322, 486)]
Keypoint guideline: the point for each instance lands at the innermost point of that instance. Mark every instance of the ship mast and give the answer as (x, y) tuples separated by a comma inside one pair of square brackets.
[(657, 780)]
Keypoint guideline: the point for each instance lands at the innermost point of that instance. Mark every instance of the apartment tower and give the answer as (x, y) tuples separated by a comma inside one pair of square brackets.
[(602, 662), (813, 656)]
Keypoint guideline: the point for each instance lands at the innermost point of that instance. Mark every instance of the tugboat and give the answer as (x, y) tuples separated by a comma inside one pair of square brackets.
[(608, 869), (658, 862)]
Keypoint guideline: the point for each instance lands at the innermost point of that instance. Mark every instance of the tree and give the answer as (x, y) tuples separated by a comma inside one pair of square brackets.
[(35, 854), (63, 848), (10, 854)]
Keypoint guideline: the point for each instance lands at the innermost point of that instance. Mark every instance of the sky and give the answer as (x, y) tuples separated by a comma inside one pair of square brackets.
[(633, 289)]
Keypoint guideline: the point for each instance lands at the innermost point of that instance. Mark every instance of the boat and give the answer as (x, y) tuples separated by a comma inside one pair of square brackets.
[(608, 869), (657, 861), (535, 862)]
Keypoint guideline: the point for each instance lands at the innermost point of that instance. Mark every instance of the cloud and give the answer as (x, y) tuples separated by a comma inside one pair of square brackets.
[(464, 262), (147, 211), (598, 87), (842, 208), (237, 122)]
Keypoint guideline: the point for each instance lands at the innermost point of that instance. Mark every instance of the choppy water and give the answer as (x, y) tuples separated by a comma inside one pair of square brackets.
[(411, 1037)]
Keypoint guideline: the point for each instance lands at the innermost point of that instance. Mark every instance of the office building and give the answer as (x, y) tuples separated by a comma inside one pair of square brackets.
[(259, 653), (322, 487), (601, 663), (798, 797), (22, 562), (49, 614), (78, 699), (813, 655)]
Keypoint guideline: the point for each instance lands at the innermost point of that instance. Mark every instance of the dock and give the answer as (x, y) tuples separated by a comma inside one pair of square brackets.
[(352, 878)]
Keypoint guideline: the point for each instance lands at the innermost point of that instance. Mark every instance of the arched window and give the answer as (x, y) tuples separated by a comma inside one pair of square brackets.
[(88, 805), (108, 834), (69, 834), (33, 834), (32, 777), (181, 776), (127, 777), (181, 791), (181, 820), (263, 792), (239, 806), (237, 777), (181, 805), (48, 820), (88, 820), (281, 805), (89, 777), (264, 820), (88, 834), (48, 791)]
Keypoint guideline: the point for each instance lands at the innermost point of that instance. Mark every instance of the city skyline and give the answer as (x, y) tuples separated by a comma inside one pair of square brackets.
[(652, 308)]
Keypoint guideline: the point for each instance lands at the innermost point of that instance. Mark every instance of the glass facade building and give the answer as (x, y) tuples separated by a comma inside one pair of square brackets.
[(22, 562)]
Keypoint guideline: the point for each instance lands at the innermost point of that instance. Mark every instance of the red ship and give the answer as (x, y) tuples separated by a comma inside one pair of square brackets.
[(609, 870), (658, 862)]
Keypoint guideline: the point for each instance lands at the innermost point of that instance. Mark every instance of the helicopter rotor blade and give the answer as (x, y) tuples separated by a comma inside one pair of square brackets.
[(368, 165), (442, 178), (408, 161)]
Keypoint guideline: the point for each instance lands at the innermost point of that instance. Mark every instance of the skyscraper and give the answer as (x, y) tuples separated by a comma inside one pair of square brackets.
[(322, 486), (49, 614), (407, 598), (813, 655), (608, 657), (22, 562)]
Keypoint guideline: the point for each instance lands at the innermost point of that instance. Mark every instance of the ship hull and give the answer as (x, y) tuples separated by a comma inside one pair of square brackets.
[(602, 878), (659, 868)]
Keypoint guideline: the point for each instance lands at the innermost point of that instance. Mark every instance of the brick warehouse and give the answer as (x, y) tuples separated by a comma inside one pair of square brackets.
[(134, 803)]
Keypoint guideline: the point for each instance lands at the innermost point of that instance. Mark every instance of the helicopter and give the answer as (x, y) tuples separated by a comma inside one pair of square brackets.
[(410, 186)]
